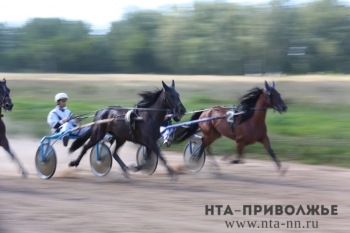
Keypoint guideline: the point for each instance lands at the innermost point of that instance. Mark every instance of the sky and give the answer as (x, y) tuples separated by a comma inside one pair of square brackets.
[(98, 13)]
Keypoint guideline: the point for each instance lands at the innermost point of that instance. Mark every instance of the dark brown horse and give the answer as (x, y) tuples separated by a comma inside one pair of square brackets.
[(250, 127), (152, 108), (6, 104)]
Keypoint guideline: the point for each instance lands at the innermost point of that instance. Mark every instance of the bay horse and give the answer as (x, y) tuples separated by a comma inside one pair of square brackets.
[(152, 108), (250, 127), (6, 104)]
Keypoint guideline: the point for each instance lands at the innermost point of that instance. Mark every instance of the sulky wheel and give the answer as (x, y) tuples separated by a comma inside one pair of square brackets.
[(193, 162), (148, 163), (47, 168), (102, 163)]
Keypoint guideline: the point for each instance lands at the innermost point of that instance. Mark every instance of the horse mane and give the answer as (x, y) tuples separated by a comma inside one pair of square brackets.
[(248, 101), (148, 98)]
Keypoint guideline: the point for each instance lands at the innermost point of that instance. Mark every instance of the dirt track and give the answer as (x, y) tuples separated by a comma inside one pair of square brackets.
[(74, 200)]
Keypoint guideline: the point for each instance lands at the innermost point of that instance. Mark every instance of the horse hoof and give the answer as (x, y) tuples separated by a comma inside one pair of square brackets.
[(73, 164), (235, 161), (126, 175), (24, 174), (136, 168), (126, 172), (283, 170), (133, 168), (174, 176), (224, 158)]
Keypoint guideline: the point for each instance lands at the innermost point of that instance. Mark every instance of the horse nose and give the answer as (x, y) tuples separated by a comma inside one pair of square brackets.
[(183, 111), (8, 106), (284, 108)]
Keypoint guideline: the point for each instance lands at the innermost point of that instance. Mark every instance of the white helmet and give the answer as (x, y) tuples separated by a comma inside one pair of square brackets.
[(61, 96)]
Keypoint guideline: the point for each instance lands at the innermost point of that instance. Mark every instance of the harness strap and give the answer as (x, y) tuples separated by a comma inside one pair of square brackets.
[(232, 124), (237, 110), (130, 117)]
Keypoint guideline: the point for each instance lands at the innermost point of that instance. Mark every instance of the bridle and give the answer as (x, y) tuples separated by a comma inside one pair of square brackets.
[(268, 100), (168, 102), (6, 96)]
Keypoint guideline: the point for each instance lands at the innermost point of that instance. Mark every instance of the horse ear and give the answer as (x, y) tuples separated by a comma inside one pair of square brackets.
[(273, 84), (4, 80), (165, 86), (173, 84), (267, 87)]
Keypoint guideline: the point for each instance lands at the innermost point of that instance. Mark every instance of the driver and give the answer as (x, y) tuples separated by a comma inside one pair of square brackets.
[(60, 120)]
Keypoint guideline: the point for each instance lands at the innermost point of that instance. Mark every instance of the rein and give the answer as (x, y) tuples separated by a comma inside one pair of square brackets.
[(84, 116), (194, 111), (202, 110), (259, 108)]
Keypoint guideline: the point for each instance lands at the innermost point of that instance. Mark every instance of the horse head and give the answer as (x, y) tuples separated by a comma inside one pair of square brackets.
[(172, 100), (5, 100), (273, 98)]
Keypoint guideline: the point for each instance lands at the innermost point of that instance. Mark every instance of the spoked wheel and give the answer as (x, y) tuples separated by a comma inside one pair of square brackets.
[(148, 162), (193, 162), (102, 163), (47, 168)]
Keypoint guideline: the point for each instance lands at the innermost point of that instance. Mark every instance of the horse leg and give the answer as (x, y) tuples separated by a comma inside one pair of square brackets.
[(207, 140), (171, 171), (211, 155), (125, 168), (267, 145), (240, 148), (94, 139), (140, 167), (209, 150), (5, 144)]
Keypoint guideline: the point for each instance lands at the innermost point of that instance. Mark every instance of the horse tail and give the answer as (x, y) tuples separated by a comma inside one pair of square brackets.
[(80, 141), (192, 129)]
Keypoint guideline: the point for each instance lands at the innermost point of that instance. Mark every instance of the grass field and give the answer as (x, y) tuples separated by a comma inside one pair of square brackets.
[(314, 130)]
